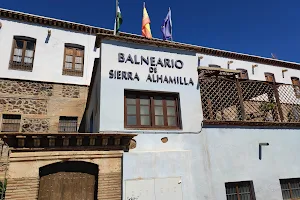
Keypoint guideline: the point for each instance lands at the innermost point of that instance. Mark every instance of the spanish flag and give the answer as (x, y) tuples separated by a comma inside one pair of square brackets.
[(146, 31)]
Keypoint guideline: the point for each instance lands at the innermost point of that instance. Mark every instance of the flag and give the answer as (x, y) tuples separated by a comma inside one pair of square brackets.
[(146, 31), (119, 19), (166, 27)]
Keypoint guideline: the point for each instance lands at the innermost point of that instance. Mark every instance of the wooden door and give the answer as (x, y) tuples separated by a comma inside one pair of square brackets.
[(68, 181), (67, 186)]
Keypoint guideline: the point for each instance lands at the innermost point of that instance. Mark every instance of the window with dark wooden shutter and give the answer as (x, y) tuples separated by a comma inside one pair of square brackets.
[(240, 190), (243, 74), (296, 85), (73, 60), (22, 55), (151, 110), (270, 77), (11, 123), (290, 188)]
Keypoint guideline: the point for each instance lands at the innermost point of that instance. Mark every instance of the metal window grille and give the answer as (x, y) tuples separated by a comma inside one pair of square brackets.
[(240, 191), (290, 189), (68, 124), (11, 123)]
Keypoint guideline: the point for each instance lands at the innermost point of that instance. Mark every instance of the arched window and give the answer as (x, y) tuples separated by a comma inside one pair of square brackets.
[(243, 73), (22, 55), (73, 60)]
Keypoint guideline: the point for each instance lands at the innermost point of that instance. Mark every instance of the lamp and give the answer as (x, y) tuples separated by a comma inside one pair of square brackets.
[(259, 148), (48, 36), (254, 66), (199, 59), (228, 63), (284, 70)]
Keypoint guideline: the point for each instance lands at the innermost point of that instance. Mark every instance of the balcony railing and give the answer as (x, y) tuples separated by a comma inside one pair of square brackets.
[(227, 98)]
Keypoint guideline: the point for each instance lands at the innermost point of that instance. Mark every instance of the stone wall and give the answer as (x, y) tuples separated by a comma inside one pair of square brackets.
[(25, 87), (41, 104), (39, 125), (70, 91), (23, 106)]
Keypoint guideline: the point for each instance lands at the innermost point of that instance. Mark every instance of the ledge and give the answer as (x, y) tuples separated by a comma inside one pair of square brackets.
[(27, 142), (249, 124)]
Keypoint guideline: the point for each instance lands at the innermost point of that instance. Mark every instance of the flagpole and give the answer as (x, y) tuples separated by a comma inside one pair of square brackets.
[(115, 27), (171, 28)]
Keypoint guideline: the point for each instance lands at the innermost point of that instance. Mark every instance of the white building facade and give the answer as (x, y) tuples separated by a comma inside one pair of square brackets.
[(46, 42), (210, 124), (188, 155)]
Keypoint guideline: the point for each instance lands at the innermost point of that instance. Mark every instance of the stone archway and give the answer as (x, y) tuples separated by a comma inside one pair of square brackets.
[(71, 180)]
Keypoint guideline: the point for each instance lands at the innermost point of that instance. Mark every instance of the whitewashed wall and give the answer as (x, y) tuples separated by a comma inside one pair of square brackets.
[(258, 71), (48, 59), (112, 90), (205, 159)]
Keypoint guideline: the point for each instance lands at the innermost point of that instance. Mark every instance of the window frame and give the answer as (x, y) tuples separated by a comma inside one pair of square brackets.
[(270, 77), (22, 66), (73, 71), (243, 74), (237, 185), (66, 117), (3, 122), (152, 95), (296, 86), (290, 189)]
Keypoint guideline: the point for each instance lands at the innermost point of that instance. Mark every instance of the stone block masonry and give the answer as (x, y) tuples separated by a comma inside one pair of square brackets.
[(25, 88), (23, 106), (41, 104)]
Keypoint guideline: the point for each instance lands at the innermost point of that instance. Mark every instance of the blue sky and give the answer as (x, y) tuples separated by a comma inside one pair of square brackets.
[(258, 27)]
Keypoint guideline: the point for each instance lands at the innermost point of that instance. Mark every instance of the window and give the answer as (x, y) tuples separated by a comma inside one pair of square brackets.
[(68, 124), (270, 77), (240, 190), (151, 110), (243, 74), (11, 123), (73, 60), (22, 56), (296, 85), (290, 188)]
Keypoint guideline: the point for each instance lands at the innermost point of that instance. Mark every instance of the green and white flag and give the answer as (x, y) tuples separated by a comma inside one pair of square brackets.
[(119, 20)]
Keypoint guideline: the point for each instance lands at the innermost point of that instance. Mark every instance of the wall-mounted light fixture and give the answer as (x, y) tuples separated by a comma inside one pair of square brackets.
[(283, 71), (253, 67), (228, 64), (0, 25), (48, 36), (199, 60), (259, 148)]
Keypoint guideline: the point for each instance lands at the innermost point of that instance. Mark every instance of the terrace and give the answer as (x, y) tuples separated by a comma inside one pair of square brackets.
[(230, 98)]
